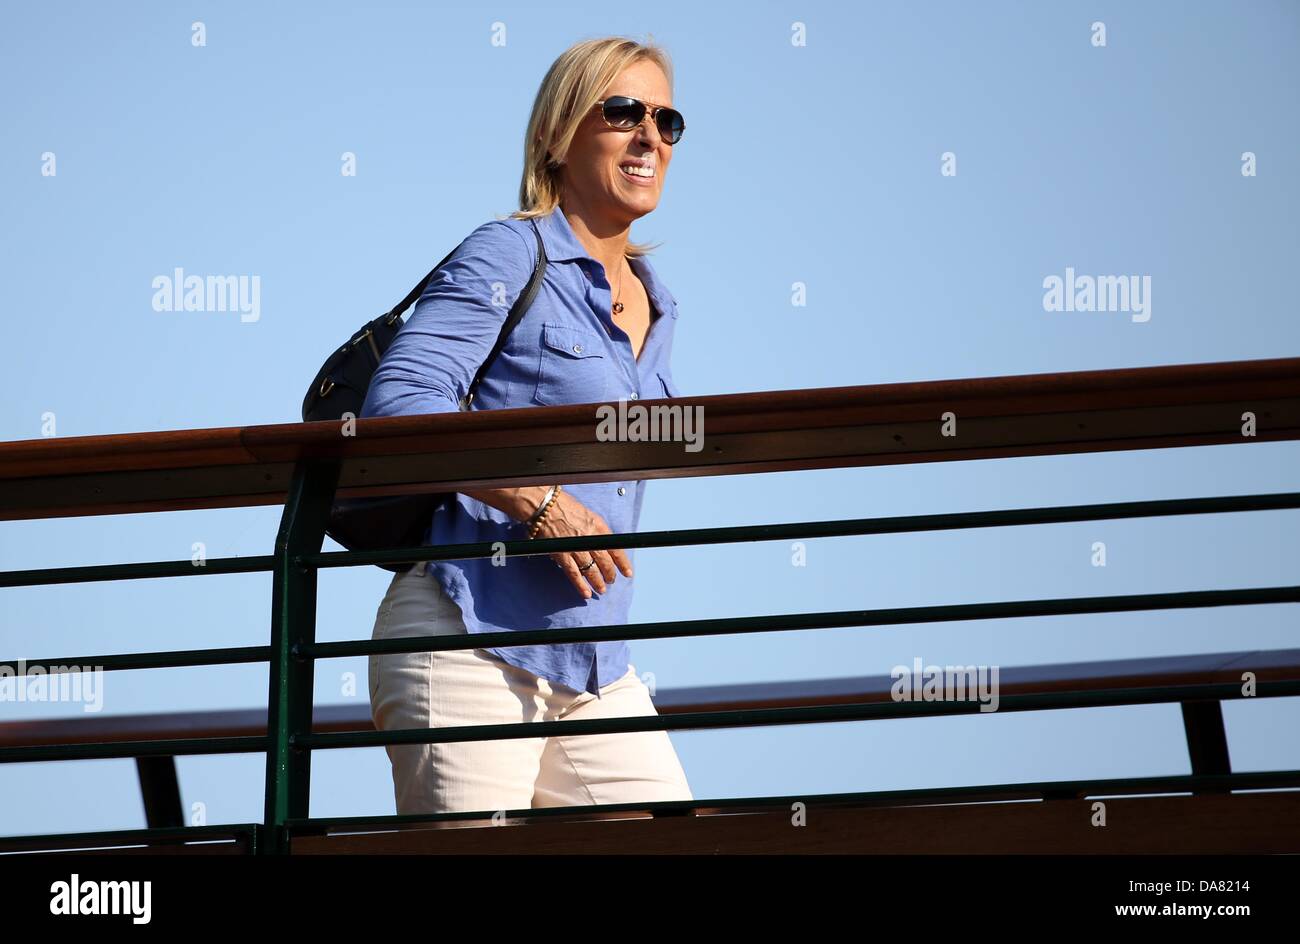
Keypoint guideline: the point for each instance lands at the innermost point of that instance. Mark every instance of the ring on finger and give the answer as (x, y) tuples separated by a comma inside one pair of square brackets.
[(590, 564)]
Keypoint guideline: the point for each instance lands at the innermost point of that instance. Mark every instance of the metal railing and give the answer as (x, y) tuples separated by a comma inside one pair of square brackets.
[(306, 465)]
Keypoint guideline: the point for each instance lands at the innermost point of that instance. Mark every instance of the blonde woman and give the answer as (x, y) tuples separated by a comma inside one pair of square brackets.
[(596, 154)]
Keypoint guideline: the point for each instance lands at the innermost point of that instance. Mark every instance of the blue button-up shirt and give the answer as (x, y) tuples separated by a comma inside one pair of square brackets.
[(566, 349)]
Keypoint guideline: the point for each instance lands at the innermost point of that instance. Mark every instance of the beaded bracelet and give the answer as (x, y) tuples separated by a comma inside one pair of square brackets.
[(535, 522), (541, 506)]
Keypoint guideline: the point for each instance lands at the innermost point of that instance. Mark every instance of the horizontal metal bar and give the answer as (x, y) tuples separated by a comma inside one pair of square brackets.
[(677, 629), (805, 714), (834, 619), (175, 659), (850, 527), (900, 524), (178, 746), (924, 796), (147, 569)]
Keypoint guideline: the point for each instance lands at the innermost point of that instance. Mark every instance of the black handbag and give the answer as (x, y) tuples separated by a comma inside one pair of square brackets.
[(386, 522)]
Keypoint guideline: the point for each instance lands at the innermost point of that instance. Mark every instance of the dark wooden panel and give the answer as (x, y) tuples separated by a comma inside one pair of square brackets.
[(1204, 824), (124, 845), (193, 848)]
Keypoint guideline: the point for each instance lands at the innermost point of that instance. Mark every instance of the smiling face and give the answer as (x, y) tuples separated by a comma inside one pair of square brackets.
[(593, 177)]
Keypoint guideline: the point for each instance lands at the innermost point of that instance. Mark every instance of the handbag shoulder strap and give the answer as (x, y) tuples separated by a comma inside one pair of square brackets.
[(517, 310)]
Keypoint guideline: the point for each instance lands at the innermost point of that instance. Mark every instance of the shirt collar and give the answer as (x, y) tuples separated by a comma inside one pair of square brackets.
[(561, 243), (563, 246)]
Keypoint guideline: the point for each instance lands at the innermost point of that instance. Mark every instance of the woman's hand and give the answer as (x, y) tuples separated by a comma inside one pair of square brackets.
[(568, 518)]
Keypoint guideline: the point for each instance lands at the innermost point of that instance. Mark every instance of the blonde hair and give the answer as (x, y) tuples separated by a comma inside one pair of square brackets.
[(571, 88)]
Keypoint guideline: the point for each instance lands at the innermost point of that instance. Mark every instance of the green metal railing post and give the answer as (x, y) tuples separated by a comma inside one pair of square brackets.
[(293, 624)]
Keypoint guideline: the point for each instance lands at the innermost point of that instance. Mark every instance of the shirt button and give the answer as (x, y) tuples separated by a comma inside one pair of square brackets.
[(622, 490), (577, 349), (635, 395)]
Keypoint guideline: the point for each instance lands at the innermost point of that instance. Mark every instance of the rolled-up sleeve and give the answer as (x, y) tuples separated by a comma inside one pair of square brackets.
[(453, 326)]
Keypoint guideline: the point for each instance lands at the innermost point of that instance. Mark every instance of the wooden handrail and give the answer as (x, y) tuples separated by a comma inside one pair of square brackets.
[(1208, 668), (1020, 415)]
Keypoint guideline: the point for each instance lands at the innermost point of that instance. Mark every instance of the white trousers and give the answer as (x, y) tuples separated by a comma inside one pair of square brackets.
[(471, 686)]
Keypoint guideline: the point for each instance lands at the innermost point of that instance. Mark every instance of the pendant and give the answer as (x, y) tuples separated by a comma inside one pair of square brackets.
[(618, 308)]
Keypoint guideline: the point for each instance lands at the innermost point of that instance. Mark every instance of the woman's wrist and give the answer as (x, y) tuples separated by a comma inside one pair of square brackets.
[(538, 518), (519, 503)]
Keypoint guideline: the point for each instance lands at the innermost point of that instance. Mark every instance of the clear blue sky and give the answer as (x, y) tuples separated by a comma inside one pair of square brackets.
[(817, 164)]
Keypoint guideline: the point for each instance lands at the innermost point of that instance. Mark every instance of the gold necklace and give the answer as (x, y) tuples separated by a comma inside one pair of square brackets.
[(618, 305)]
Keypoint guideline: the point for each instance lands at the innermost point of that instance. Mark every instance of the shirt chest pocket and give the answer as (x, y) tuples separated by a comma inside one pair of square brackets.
[(572, 368)]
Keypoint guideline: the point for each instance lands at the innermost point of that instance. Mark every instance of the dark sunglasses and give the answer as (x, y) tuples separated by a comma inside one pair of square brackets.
[(624, 114)]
